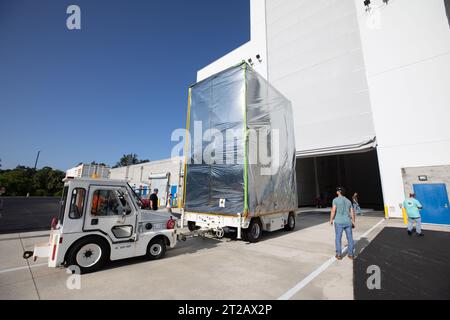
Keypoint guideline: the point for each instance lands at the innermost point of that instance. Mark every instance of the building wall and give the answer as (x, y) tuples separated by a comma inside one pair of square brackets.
[(138, 175), (315, 59), (311, 52), (435, 174), (407, 58)]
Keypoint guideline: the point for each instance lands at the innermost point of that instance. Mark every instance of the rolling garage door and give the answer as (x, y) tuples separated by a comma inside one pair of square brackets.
[(160, 182)]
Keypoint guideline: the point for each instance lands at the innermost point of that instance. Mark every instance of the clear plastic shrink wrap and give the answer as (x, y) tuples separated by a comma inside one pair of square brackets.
[(241, 146)]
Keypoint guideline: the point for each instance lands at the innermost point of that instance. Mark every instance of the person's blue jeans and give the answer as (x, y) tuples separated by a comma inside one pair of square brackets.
[(340, 228), (418, 224), (357, 209)]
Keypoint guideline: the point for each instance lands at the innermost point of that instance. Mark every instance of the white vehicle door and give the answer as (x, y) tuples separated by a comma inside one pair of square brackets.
[(111, 212)]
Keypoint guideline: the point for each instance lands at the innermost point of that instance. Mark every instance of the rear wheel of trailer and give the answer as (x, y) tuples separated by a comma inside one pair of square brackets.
[(290, 222), (254, 231), (89, 254)]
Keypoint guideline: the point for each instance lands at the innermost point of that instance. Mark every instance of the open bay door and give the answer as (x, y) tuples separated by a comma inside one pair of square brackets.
[(160, 182)]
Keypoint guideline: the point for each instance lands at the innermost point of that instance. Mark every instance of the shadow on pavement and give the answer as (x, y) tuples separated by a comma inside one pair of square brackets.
[(190, 246), (411, 267)]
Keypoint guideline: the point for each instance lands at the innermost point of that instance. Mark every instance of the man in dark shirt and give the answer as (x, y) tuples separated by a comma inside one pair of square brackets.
[(154, 200)]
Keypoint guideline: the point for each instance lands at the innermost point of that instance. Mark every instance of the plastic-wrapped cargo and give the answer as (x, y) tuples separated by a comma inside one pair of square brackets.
[(241, 147)]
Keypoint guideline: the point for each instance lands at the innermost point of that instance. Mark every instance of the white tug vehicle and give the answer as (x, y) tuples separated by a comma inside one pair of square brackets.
[(103, 220)]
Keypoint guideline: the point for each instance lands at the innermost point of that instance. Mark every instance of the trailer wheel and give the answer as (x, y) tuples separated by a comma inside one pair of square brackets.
[(290, 223), (254, 232), (156, 249), (89, 254)]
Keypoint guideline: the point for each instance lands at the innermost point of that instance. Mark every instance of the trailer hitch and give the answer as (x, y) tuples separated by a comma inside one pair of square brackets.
[(28, 254)]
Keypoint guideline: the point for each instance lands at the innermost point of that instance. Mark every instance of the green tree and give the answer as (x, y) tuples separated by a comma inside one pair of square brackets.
[(23, 180), (54, 182), (128, 160), (18, 182), (41, 180)]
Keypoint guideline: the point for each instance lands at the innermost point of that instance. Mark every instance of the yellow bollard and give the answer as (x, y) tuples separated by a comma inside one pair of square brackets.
[(386, 212), (405, 216)]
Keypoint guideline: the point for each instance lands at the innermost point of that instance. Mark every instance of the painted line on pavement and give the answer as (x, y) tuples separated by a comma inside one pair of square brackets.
[(23, 268), (27, 237), (299, 286), (371, 229)]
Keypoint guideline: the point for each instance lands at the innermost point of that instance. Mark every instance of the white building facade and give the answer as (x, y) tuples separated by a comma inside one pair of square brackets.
[(164, 175), (360, 81)]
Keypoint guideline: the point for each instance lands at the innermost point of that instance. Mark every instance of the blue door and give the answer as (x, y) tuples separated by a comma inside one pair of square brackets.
[(434, 199)]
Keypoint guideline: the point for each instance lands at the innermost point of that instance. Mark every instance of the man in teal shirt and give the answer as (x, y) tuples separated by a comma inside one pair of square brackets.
[(343, 216), (412, 207)]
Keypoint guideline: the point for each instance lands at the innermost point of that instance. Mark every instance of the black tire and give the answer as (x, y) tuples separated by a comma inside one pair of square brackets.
[(192, 227), (290, 223), (244, 235), (156, 249), (85, 249), (254, 232)]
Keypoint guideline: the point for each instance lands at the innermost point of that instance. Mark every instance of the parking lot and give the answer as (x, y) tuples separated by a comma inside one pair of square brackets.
[(284, 265), (287, 265)]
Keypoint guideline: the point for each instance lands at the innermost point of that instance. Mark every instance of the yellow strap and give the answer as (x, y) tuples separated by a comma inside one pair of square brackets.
[(188, 124)]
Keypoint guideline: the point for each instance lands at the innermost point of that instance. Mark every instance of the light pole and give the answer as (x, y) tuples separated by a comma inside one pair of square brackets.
[(37, 158), (34, 170)]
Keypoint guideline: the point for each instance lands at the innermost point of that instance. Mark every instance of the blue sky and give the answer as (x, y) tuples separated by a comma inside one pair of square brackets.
[(118, 85)]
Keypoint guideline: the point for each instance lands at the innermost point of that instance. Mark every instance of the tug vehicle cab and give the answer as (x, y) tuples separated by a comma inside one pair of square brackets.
[(102, 220)]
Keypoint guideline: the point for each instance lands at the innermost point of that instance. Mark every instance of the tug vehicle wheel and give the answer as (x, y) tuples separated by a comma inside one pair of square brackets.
[(156, 249), (89, 254)]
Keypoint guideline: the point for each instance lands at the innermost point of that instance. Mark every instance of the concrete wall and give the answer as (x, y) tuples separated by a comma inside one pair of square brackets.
[(407, 58)]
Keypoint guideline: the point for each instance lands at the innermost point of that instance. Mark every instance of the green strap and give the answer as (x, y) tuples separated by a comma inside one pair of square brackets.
[(245, 143)]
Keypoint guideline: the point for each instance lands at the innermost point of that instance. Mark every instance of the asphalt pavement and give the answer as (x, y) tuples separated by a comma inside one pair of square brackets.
[(22, 214), (411, 267)]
